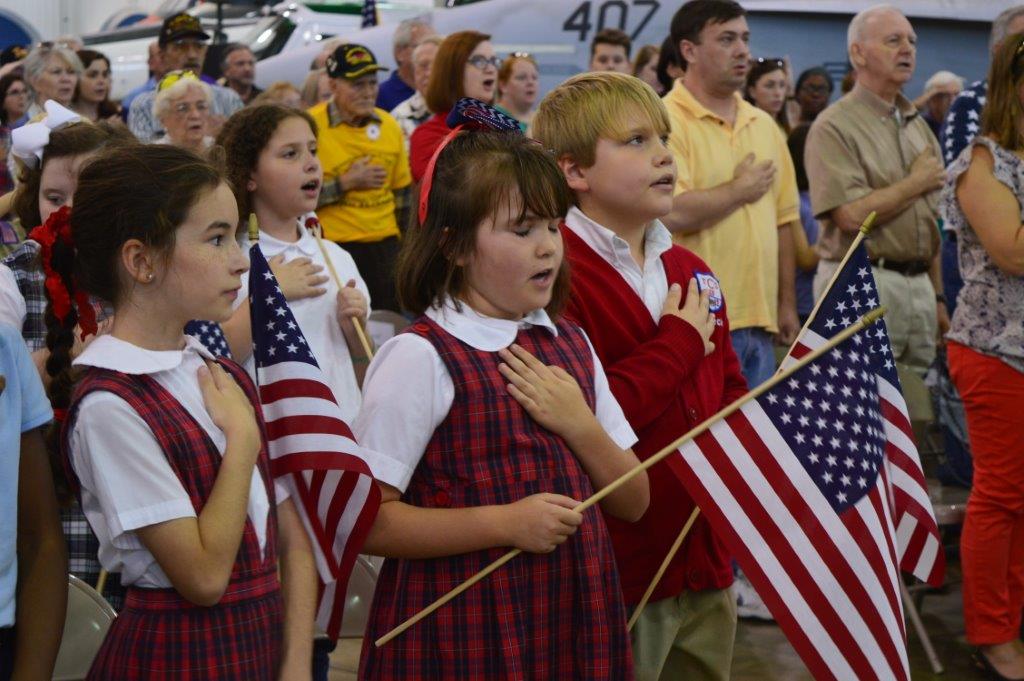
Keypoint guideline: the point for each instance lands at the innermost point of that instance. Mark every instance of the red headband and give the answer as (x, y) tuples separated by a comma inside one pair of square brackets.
[(428, 176), (58, 228)]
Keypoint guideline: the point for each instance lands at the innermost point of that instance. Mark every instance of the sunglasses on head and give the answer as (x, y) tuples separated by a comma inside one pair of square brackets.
[(771, 61)]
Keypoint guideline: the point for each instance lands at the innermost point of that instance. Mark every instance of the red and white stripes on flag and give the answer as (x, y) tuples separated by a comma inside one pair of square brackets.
[(333, 489), (829, 579), (917, 537), (312, 449)]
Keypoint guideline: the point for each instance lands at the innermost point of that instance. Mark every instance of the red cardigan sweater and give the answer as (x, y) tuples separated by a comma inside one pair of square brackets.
[(658, 373)]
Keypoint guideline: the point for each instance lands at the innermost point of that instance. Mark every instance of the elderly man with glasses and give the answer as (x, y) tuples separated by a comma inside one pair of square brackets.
[(182, 47)]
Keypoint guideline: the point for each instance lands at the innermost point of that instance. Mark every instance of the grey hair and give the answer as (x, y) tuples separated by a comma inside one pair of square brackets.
[(1001, 26), (403, 34), (163, 99), (855, 33), (229, 49), (435, 39), (35, 62)]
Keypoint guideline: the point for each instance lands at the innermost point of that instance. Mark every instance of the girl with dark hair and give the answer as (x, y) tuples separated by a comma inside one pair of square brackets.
[(271, 161), (92, 95), (486, 408), (49, 166), (767, 84), (165, 442), (465, 66)]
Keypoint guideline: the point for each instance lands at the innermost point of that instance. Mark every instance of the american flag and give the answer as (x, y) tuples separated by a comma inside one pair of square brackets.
[(918, 546), (211, 335), (310, 444), (802, 484), (370, 14)]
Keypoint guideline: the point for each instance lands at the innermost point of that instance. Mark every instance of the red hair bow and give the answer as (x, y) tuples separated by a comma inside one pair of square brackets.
[(58, 228)]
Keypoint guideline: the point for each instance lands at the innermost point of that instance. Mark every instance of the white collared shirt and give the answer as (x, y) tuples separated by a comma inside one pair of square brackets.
[(126, 480), (408, 392), (651, 284), (318, 317)]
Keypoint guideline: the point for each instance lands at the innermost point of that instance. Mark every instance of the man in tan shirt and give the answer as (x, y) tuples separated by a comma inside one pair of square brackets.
[(872, 151)]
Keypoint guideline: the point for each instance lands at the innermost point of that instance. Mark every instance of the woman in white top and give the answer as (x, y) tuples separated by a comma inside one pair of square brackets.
[(170, 457)]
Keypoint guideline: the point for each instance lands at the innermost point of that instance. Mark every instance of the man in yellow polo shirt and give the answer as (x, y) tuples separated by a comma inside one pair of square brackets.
[(366, 171), (736, 198)]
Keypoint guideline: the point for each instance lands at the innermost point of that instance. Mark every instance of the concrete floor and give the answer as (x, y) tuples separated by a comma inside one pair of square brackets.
[(764, 654)]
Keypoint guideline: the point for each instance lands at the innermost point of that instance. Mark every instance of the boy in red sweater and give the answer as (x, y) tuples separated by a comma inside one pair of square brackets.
[(655, 315)]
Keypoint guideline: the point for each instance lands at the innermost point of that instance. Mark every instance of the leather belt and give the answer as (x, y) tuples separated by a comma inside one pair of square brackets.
[(909, 268)]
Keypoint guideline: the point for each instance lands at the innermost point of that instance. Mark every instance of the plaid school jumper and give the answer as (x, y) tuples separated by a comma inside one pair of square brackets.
[(160, 636), (541, 616)]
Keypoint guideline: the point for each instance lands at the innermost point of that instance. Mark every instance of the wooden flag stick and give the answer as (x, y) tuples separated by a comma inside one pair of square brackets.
[(664, 566), (865, 321), (864, 229), (363, 340)]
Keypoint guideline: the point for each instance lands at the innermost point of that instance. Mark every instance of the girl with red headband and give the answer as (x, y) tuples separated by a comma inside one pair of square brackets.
[(166, 443), (496, 420)]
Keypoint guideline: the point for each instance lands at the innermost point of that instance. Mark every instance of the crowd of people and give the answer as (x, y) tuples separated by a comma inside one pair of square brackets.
[(586, 276)]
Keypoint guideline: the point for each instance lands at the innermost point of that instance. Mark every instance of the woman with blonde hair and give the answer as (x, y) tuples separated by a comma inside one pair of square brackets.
[(51, 72), (982, 203), (518, 85)]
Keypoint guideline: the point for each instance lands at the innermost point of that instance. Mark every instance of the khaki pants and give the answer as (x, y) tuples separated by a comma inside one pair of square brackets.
[(910, 316), (687, 637)]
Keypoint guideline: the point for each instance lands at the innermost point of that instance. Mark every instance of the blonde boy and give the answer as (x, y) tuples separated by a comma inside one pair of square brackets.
[(669, 366)]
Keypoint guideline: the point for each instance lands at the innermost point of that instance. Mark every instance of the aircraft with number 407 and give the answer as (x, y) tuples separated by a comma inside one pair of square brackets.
[(558, 32)]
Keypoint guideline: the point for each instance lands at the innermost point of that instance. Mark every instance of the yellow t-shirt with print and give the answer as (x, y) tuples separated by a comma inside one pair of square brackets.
[(363, 215)]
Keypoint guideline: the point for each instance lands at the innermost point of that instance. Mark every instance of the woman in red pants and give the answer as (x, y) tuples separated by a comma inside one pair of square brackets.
[(983, 201)]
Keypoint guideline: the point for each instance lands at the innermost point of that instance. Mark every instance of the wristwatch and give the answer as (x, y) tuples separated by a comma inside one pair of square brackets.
[(941, 298)]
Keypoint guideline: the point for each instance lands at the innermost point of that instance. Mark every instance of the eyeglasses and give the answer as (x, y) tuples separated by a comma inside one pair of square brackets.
[(482, 62), (520, 55), (16, 93), (184, 107)]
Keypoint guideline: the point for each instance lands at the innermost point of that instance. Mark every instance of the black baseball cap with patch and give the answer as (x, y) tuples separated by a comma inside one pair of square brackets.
[(179, 26), (13, 53), (351, 62)]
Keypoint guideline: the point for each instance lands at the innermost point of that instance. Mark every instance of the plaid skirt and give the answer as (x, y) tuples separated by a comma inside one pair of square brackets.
[(159, 636)]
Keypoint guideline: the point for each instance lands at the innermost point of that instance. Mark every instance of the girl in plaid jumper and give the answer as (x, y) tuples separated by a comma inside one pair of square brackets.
[(497, 420), (166, 443)]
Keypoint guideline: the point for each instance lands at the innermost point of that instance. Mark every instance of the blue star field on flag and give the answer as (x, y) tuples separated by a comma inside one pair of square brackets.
[(369, 14), (211, 335), (279, 337), (829, 415)]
